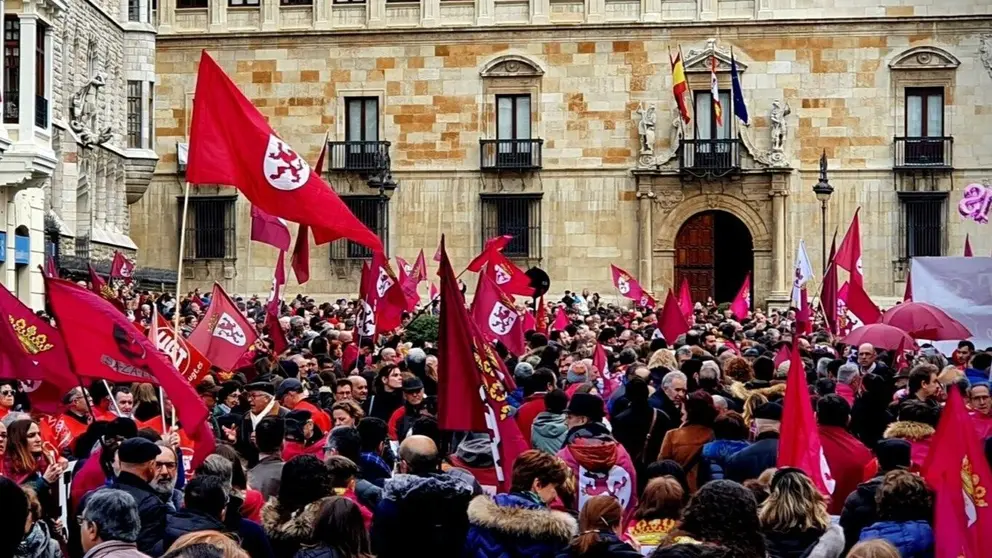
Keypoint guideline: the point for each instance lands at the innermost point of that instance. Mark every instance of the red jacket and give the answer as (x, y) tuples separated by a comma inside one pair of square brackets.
[(319, 417), (348, 358), (983, 424), (847, 457), (533, 405)]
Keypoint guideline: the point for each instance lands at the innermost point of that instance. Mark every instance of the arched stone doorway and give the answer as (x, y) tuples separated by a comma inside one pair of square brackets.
[(714, 252)]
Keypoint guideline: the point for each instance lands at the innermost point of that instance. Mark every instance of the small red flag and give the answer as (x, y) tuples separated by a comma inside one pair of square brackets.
[(861, 305), (496, 316), (493, 246), (741, 306), (50, 269), (437, 253), (419, 272), (782, 355), (276, 334), (907, 295), (799, 445), (672, 321), (433, 292), (121, 268), (510, 279), (849, 253), (530, 324), (231, 143), (223, 335), (100, 287), (384, 294), (269, 229), (958, 473), (804, 314), (541, 316), (103, 344), (625, 283), (967, 246), (186, 359), (685, 298), (561, 320), (602, 366), (365, 321), (647, 301), (828, 297)]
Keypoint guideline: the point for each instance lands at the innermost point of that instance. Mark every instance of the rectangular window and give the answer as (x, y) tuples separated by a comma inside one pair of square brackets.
[(707, 126), (362, 119), (349, 1), (243, 3), (923, 217), (11, 68), (210, 233), (134, 124), (518, 215), (190, 4), (151, 116), (40, 95), (373, 212), (513, 117), (134, 10), (925, 112)]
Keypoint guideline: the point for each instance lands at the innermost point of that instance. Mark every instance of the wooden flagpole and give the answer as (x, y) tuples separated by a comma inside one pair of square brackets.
[(182, 254)]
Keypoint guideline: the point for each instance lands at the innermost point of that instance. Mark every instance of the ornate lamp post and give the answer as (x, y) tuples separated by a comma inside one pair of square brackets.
[(823, 190)]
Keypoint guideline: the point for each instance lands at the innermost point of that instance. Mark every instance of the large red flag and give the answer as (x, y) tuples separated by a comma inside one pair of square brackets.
[(121, 268), (384, 294), (472, 380), (31, 350), (967, 246), (861, 305), (186, 359), (799, 445), (493, 246), (510, 279), (685, 298), (672, 321), (828, 297), (301, 250), (103, 344), (742, 302), (223, 335), (496, 316), (959, 475), (849, 253), (232, 144), (269, 229), (625, 283)]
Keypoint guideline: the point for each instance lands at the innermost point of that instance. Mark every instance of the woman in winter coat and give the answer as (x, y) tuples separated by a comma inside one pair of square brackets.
[(600, 524), (656, 514), (519, 523), (340, 532), (794, 519), (731, 434), (26, 463), (685, 444), (905, 506), (291, 518), (38, 541), (722, 513)]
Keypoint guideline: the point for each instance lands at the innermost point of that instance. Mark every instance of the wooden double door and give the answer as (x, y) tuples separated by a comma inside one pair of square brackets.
[(713, 252)]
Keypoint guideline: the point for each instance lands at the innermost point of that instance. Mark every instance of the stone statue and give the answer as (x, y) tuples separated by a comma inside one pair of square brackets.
[(84, 114), (646, 128), (985, 52), (677, 130), (779, 126)]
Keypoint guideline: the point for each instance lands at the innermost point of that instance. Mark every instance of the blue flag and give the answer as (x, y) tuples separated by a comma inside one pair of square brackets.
[(740, 109)]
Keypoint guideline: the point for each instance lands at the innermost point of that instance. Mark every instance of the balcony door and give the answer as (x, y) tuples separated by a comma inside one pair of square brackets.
[(925, 126), (513, 130), (714, 139), (362, 132)]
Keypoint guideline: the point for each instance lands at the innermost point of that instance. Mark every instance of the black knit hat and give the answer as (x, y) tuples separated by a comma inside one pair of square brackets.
[(586, 405), (894, 453)]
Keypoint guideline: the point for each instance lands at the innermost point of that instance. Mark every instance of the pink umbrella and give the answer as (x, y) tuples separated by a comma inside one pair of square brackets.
[(881, 336), (925, 321)]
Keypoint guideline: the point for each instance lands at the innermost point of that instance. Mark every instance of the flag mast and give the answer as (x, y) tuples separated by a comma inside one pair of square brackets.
[(179, 272)]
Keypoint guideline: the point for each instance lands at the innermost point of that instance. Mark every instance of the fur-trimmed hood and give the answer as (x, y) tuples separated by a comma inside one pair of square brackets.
[(297, 529), (517, 517), (909, 431)]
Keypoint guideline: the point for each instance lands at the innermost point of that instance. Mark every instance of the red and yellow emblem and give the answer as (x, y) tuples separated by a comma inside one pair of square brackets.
[(32, 341)]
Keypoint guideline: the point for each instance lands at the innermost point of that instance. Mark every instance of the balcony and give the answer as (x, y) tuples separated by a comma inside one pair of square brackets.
[(923, 153), (511, 155), (41, 112), (710, 158), (358, 156)]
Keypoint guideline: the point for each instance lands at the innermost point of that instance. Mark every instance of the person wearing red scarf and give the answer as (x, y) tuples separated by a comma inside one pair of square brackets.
[(845, 454)]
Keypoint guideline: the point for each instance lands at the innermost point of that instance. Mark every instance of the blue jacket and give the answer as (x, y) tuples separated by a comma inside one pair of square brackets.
[(512, 525), (750, 462), (913, 539), (715, 455), (976, 376), (426, 511)]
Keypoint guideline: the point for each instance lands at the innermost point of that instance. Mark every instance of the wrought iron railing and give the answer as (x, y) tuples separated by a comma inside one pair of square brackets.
[(512, 154), (710, 158), (929, 152), (357, 156)]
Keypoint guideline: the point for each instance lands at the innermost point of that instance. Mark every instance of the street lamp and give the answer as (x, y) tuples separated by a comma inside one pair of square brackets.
[(823, 190)]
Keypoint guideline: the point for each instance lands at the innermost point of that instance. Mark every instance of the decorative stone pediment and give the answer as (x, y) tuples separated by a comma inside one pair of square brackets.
[(512, 65), (698, 60), (924, 58)]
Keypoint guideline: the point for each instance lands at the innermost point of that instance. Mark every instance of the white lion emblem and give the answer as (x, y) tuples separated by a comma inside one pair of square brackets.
[(501, 319), (229, 330), (383, 283), (502, 277), (408, 269), (283, 167), (622, 285), (126, 269), (861, 270), (644, 300), (366, 320)]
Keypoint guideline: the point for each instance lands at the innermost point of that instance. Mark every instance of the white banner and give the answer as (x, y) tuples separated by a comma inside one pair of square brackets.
[(962, 287)]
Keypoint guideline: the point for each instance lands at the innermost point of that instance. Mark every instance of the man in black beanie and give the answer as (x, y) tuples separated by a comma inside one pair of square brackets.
[(859, 508)]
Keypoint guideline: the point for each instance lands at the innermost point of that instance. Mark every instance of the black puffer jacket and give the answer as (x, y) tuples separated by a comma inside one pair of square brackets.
[(859, 510), (608, 546), (317, 552), (431, 510), (188, 521)]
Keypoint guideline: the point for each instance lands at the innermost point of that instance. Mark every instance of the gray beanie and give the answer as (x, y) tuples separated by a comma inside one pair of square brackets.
[(523, 371)]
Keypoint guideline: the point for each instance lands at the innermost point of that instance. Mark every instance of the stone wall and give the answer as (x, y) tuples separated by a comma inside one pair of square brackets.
[(844, 97)]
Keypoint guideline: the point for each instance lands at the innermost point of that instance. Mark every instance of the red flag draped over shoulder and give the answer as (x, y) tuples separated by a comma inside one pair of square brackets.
[(103, 344), (223, 335), (31, 350), (799, 445), (472, 380), (232, 144), (958, 473)]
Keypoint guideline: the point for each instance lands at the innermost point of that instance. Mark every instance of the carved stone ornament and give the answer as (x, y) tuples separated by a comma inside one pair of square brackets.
[(84, 113), (663, 160), (699, 60), (773, 159), (512, 65), (778, 125), (645, 128), (668, 200), (924, 58), (985, 52)]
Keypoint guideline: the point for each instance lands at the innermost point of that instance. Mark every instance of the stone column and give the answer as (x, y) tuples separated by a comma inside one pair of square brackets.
[(645, 241), (484, 12), (216, 16), (540, 11), (780, 283), (651, 11), (376, 13), (429, 10), (166, 15), (270, 14), (707, 9), (322, 14), (29, 41), (595, 11)]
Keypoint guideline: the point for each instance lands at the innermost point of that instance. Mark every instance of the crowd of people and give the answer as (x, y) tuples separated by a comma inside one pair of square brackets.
[(332, 449)]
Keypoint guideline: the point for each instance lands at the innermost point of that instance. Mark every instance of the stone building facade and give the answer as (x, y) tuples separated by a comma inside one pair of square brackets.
[(554, 120), (86, 73)]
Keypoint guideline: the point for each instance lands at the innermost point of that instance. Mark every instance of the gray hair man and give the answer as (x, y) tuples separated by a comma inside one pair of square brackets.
[(671, 396), (848, 381), (166, 473), (109, 525)]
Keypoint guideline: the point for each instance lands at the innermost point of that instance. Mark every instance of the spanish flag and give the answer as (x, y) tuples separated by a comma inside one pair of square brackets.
[(679, 85)]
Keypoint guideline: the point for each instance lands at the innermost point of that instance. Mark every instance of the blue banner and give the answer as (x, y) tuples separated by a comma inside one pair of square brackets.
[(22, 250), (3, 246)]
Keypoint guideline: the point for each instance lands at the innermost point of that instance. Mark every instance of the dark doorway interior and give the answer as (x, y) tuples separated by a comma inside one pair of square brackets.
[(713, 252)]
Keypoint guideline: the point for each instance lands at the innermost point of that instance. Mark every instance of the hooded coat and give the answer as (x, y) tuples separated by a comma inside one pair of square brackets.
[(917, 434), (860, 510), (600, 465), (608, 546), (548, 432), (714, 458), (429, 511), (288, 532), (806, 544), (515, 525), (913, 539)]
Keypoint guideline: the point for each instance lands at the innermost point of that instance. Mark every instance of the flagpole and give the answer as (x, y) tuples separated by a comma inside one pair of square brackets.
[(244, 285), (111, 396), (179, 271)]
